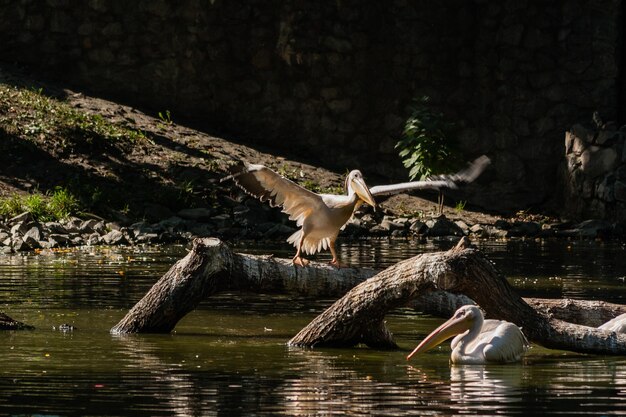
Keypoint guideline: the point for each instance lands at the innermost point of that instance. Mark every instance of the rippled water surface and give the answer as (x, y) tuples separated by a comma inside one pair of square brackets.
[(229, 357)]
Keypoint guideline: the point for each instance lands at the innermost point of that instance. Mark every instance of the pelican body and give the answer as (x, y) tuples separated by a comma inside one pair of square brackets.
[(477, 341), (322, 216)]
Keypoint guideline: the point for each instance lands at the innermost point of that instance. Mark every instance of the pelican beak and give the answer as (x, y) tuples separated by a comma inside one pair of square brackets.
[(363, 192), (452, 327)]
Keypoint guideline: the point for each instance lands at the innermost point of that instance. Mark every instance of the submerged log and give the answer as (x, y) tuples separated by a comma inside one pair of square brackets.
[(358, 317), (7, 323), (588, 313)]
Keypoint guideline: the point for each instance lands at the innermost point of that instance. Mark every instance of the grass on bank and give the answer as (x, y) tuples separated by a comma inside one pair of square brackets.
[(53, 123), (58, 205)]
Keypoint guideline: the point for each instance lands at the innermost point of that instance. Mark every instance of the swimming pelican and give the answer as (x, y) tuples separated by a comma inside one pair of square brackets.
[(617, 324), (322, 216), (477, 340)]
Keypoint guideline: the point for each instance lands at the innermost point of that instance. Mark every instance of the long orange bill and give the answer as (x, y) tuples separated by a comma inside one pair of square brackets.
[(363, 192), (442, 333)]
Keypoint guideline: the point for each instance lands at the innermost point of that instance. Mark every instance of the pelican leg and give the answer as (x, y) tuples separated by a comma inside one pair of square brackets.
[(299, 260), (334, 262), (440, 203)]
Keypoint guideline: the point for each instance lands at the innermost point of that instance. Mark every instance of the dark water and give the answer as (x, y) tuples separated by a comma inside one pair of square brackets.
[(229, 356)]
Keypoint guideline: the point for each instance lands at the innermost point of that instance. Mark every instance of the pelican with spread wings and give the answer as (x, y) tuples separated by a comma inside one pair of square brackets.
[(477, 341), (322, 216)]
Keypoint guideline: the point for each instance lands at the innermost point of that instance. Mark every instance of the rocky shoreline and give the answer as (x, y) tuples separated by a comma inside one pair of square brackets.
[(252, 220)]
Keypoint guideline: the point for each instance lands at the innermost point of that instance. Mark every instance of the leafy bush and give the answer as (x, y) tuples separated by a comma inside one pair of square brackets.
[(426, 146)]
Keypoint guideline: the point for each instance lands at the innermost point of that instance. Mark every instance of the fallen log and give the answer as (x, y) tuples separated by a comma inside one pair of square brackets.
[(7, 323), (584, 312), (358, 317), (211, 267)]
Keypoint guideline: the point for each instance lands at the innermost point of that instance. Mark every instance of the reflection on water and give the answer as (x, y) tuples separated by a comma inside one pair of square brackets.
[(229, 356)]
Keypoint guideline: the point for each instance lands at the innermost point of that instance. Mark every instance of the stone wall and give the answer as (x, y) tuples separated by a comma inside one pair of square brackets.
[(595, 172), (331, 80)]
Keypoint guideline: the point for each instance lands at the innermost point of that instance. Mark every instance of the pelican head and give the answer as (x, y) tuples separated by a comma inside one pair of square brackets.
[(465, 318), (356, 184)]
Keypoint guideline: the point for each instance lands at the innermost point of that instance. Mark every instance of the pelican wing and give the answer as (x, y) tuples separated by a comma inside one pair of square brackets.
[(466, 175), (266, 185), (617, 324), (503, 341)]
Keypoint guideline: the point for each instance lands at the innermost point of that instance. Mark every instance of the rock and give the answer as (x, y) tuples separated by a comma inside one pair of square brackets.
[(378, 231), (4, 236), (444, 227), (19, 245), (25, 217), (524, 229), (574, 144), (88, 226), (34, 232), (279, 231), (93, 239), (389, 225), (55, 228), (399, 233), (156, 212), (222, 221), (502, 224), (32, 237), (619, 191), (72, 225), (112, 226), (477, 229), (196, 214), (20, 228), (594, 228), (590, 229), (491, 231), (418, 227), (354, 229), (251, 216), (463, 226), (201, 230), (596, 161), (114, 237), (100, 228)]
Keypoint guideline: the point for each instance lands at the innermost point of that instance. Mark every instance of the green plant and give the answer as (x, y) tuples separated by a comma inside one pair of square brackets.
[(62, 203), (460, 206), (44, 207), (186, 191), (11, 206), (37, 205), (426, 146), (166, 118)]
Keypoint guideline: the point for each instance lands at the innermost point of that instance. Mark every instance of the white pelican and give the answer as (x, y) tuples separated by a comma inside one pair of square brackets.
[(617, 324), (322, 216), (477, 341)]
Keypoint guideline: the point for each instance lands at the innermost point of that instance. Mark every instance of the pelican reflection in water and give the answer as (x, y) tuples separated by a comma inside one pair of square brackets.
[(322, 216), (477, 340)]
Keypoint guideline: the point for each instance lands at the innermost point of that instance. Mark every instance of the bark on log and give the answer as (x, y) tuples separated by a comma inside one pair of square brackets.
[(358, 317), (7, 323)]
